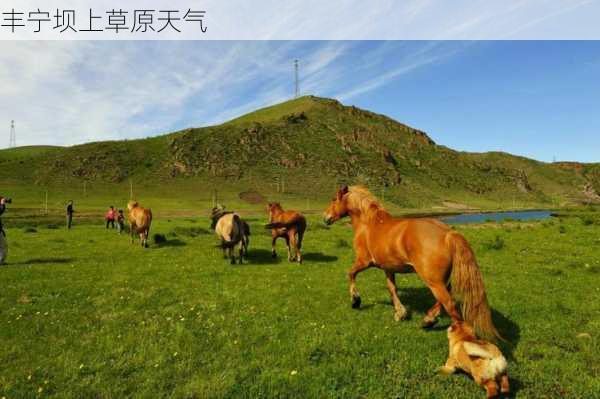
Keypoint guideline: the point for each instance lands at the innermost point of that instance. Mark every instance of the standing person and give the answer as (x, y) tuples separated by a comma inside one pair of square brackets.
[(110, 217), (3, 243), (120, 221), (70, 212)]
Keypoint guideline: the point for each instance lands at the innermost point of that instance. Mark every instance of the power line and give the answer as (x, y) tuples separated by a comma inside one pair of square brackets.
[(13, 135)]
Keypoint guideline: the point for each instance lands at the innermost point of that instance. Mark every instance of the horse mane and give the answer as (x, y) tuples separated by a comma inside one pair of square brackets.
[(359, 197), (275, 205)]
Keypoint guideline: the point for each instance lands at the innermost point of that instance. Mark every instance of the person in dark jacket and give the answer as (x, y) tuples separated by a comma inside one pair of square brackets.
[(120, 221), (3, 243), (70, 212)]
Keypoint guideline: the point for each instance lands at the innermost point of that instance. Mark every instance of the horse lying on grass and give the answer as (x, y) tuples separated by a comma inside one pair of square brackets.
[(425, 246), (140, 220), (287, 224), (232, 231)]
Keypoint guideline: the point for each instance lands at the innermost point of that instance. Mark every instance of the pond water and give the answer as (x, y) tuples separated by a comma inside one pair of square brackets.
[(466, 218)]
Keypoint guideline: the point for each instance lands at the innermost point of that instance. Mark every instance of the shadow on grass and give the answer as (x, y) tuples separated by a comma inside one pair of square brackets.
[(318, 257), (260, 257), (171, 243), (43, 261), (264, 257)]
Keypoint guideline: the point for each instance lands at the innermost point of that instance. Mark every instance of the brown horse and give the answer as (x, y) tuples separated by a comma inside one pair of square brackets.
[(425, 246), (287, 224), (140, 220)]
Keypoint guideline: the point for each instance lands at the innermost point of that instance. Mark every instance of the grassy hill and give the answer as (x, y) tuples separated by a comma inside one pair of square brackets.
[(302, 148)]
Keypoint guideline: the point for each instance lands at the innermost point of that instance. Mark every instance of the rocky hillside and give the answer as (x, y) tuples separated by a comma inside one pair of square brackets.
[(312, 144)]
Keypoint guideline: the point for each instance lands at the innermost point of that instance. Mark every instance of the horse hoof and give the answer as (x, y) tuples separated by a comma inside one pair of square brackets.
[(399, 316), (429, 323), (273, 254), (356, 302)]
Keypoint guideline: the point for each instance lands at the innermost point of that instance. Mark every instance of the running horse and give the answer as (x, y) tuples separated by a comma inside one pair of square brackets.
[(425, 246), (140, 220), (287, 224)]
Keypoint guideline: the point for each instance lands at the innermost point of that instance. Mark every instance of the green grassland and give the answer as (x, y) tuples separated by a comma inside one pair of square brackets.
[(83, 313)]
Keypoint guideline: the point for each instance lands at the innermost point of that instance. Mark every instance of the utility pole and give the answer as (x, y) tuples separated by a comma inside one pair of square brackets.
[(296, 79), (130, 189), (13, 135), (46, 204)]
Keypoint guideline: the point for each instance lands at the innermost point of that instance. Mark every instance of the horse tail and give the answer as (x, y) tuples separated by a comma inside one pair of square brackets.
[(467, 287), (301, 229), (246, 228)]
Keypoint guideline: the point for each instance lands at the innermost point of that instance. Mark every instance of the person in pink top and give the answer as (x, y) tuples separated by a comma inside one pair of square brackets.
[(110, 217)]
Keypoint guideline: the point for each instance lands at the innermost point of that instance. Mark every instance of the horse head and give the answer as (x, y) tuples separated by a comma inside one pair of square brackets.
[(132, 204), (216, 213), (273, 208), (338, 207)]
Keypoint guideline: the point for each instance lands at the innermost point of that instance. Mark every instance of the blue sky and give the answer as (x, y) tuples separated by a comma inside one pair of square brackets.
[(537, 99)]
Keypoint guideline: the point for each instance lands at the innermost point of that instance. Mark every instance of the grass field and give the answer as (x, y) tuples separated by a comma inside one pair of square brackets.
[(83, 313)]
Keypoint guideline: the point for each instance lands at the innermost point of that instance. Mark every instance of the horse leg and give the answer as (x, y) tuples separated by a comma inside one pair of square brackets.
[(354, 270), (504, 385), (400, 310), (293, 246), (441, 294), (142, 239), (491, 388), (449, 367), (273, 241), (231, 256), (287, 243), (432, 316), (241, 252), (298, 250), (224, 249)]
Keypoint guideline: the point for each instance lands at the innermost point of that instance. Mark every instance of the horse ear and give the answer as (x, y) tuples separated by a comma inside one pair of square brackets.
[(342, 191)]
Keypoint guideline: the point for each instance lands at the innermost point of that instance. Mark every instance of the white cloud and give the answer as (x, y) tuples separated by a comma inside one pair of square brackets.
[(65, 93)]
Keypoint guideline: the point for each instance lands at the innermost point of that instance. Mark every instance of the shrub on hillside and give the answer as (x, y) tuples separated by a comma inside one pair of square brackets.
[(587, 220)]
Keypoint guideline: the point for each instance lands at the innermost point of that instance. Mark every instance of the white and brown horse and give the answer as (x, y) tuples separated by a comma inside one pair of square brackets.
[(428, 247), (233, 232), (140, 220)]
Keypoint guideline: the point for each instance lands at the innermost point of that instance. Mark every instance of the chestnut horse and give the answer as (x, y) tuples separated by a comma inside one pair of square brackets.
[(287, 224), (140, 220), (425, 246)]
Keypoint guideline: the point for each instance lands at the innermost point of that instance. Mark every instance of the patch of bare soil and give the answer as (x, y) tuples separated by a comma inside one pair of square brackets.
[(252, 197), (454, 205)]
